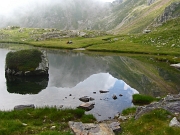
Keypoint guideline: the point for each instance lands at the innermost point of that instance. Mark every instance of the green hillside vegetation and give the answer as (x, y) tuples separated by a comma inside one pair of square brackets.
[(163, 42)]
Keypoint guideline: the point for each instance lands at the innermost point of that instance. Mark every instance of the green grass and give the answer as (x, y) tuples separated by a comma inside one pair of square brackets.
[(154, 123), (40, 121), (129, 111), (142, 99), (24, 60), (163, 42)]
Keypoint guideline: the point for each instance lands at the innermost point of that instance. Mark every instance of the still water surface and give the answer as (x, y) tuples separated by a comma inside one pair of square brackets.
[(71, 76), (74, 75)]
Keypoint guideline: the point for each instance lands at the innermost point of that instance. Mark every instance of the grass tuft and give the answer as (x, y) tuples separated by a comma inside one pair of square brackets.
[(142, 99)]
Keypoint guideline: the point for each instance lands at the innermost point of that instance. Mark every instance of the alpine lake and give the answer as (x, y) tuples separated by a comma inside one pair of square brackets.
[(75, 74)]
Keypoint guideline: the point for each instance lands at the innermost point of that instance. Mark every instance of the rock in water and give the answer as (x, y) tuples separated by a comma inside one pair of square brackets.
[(21, 107), (26, 63), (86, 99), (103, 91), (87, 106)]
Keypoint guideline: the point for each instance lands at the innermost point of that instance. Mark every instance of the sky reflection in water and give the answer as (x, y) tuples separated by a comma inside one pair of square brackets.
[(105, 105)]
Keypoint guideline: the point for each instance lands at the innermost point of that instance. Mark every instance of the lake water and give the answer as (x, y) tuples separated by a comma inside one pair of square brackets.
[(74, 75)]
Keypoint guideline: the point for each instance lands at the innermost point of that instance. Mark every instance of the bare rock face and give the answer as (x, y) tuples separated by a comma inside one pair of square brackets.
[(170, 12)]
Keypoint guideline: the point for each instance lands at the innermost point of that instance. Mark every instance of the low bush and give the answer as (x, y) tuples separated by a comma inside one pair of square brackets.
[(142, 99)]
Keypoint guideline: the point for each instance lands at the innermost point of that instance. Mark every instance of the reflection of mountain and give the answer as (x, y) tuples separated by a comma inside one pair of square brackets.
[(26, 85), (67, 69)]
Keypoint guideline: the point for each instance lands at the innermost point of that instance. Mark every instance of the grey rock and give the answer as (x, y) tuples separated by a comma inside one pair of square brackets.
[(176, 65), (174, 123), (86, 106), (24, 124), (114, 97), (79, 128), (123, 118), (103, 91), (21, 107), (86, 99), (115, 126), (170, 103)]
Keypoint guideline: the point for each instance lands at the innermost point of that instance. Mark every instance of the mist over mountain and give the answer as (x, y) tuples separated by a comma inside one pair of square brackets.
[(119, 16)]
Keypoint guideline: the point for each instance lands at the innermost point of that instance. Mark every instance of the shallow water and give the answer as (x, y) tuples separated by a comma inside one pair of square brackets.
[(74, 75)]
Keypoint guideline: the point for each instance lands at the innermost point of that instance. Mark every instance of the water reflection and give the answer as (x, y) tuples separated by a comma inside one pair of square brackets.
[(26, 85), (79, 75)]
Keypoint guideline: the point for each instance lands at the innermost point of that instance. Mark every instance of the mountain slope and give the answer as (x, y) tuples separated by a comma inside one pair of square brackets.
[(121, 16)]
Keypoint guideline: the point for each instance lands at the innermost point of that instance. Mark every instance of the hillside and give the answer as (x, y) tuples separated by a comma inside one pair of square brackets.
[(121, 16)]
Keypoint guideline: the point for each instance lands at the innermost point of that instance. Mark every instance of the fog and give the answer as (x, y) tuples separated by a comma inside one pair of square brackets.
[(47, 13), (7, 7)]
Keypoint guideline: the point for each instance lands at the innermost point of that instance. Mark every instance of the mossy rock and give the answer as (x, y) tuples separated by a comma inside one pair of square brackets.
[(26, 63)]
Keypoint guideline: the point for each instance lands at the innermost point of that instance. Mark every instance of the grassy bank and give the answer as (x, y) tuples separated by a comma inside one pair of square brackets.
[(40, 121), (163, 42), (153, 123)]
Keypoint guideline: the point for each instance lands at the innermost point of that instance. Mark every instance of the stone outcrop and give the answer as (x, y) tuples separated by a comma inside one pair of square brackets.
[(79, 128), (42, 69), (170, 12), (170, 103)]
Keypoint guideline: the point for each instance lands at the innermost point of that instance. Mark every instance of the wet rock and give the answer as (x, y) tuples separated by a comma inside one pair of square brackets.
[(103, 91), (114, 97), (87, 106), (174, 123), (79, 128), (21, 107), (120, 95), (86, 99)]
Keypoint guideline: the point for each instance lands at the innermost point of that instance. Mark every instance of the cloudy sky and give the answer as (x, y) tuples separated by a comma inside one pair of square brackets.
[(7, 6)]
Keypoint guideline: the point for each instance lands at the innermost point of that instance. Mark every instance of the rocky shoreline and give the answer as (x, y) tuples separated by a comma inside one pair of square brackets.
[(171, 103)]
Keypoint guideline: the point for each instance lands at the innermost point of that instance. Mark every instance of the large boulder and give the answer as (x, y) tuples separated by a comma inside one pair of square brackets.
[(170, 103), (26, 63)]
